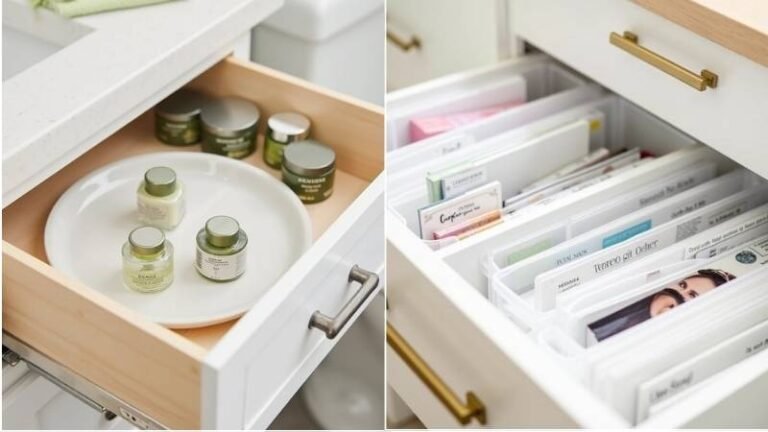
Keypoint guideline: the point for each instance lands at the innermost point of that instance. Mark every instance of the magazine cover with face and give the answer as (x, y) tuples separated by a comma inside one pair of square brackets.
[(699, 282)]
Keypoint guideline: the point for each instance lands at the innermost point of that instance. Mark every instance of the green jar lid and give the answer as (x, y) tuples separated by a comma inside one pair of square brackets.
[(160, 181), (146, 240), (181, 106), (288, 127), (309, 158), (229, 115), (222, 231)]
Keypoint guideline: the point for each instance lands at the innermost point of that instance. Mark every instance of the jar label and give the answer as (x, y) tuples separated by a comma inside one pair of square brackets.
[(220, 267), (176, 132), (155, 212), (310, 189), (152, 214), (235, 147), (149, 278), (273, 152)]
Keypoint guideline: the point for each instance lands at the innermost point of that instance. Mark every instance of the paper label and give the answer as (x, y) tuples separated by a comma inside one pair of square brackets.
[(661, 190), (451, 144), (594, 266), (689, 373), (721, 241), (447, 213), (627, 233), (456, 184), (529, 251), (220, 267)]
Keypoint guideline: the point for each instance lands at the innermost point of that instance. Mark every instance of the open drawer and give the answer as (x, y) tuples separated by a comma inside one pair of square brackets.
[(498, 375), (234, 375)]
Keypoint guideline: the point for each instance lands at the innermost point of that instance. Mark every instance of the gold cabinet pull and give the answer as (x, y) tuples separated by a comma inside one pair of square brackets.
[(406, 45), (464, 413), (629, 43)]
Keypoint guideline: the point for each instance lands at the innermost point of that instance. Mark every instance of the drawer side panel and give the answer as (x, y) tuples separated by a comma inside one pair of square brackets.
[(146, 365)]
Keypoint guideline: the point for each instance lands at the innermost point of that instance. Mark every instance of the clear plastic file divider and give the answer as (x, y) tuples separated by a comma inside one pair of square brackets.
[(746, 212), (621, 368), (516, 81), (480, 259)]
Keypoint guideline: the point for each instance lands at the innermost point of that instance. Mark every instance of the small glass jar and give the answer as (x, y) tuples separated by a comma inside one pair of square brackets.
[(283, 129), (221, 249), (160, 198), (308, 169), (177, 118), (229, 127), (147, 260)]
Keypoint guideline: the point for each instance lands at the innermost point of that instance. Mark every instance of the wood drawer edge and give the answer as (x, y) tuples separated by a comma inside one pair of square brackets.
[(103, 341)]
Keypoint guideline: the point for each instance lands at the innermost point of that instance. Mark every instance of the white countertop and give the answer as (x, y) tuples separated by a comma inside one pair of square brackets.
[(57, 109)]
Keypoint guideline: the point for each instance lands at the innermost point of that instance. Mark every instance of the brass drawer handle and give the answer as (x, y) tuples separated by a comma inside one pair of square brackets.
[(413, 42), (629, 43), (474, 408), (333, 326)]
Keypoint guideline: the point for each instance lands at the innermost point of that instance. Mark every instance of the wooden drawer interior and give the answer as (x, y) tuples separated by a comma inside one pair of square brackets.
[(149, 366)]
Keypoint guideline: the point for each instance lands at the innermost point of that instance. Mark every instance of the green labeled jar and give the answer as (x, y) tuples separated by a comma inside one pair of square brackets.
[(177, 118), (283, 129), (147, 260), (229, 127), (221, 249), (308, 169)]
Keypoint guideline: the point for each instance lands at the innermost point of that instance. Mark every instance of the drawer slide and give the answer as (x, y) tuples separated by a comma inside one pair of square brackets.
[(15, 351)]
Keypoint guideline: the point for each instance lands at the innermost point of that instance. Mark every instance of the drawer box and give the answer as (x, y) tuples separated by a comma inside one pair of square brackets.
[(474, 347), (730, 118), (237, 374)]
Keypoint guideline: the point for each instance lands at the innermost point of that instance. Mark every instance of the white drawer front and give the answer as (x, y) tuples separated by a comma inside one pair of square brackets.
[(730, 118), (472, 347), (264, 359)]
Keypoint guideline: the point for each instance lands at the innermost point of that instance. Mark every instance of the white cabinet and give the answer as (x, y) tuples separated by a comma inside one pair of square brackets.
[(455, 35), (437, 299), (233, 375)]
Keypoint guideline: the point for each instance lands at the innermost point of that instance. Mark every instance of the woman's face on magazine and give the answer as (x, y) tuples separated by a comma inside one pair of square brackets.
[(689, 288)]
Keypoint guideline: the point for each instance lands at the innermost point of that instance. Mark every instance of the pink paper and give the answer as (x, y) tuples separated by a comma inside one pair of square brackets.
[(425, 127)]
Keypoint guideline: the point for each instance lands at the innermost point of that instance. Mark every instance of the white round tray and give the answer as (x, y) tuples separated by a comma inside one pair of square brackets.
[(91, 220)]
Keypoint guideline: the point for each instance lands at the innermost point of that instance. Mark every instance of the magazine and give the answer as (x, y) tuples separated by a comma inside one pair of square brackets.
[(696, 283)]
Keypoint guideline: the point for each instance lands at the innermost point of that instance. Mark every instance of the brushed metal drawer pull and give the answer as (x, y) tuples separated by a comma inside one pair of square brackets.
[(474, 408), (333, 326), (629, 42)]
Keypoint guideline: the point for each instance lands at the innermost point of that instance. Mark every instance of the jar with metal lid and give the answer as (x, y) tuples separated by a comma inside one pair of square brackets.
[(147, 260), (308, 169), (177, 118), (283, 129), (221, 247), (160, 198), (229, 127)]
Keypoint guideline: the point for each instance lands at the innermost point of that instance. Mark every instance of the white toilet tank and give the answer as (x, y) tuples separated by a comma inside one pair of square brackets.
[(328, 42)]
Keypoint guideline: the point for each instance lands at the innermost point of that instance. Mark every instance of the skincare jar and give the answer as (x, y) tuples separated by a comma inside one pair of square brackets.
[(308, 169), (147, 260), (221, 249), (229, 127), (160, 198), (283, 129), (177, 118)]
